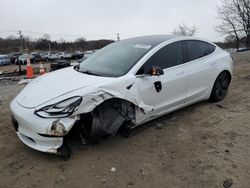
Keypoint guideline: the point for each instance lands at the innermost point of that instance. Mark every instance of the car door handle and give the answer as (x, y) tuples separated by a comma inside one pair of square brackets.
[(180, 73), (212, 63)]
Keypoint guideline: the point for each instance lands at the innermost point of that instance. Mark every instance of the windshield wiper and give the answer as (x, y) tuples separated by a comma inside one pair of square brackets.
[(89, 73)]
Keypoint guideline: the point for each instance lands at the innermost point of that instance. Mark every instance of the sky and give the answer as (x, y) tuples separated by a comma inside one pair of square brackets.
[(103, 19)]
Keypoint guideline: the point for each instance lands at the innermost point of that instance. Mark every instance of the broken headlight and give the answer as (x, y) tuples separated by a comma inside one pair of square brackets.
[(61, 109)]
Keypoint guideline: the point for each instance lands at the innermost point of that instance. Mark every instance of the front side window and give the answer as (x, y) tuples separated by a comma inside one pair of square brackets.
[(168, 56), (198, 49)]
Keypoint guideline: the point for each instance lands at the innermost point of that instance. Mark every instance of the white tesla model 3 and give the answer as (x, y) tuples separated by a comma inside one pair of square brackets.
[(119, 88)]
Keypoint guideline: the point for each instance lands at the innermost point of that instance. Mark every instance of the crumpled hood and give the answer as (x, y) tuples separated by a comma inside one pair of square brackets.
[(55, 84)]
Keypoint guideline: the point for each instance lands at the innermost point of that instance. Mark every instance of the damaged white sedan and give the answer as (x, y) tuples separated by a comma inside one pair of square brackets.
[(119, 88)]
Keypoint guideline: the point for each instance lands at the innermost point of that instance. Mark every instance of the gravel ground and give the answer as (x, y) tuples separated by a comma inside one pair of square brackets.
[(204, 145)]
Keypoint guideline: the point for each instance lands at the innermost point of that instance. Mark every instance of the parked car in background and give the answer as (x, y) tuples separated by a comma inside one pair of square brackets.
[(4, 60), (64, 55), (14, 56), (242, 49), (36, 56), (59, 64), (53, 56), (45, 56), (77, 62), (89, 52), (22, 59), (119, 88), (77, 55)]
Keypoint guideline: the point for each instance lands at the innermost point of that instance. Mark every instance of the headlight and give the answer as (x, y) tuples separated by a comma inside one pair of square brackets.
[(61, 109)]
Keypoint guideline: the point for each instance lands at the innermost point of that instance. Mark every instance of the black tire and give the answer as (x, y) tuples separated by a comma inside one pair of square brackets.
[(220, 87)]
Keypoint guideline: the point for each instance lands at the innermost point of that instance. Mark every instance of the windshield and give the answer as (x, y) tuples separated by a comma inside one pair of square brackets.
[(115, 59)]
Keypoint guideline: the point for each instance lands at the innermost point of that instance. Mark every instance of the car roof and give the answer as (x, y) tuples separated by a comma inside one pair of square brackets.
[(152, 40)]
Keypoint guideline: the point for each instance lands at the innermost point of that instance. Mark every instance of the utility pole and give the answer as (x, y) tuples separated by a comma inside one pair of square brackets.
[(49, 45), (47, 37), (21, 38), (21, 41), (118, 36)]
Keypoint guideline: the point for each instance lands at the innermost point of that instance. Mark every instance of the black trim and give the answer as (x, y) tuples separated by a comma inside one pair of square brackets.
[(64, 150), (66, 114), (14, 123), (50, 136)]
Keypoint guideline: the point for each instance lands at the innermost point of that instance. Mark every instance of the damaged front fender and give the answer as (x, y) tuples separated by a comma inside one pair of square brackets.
[(127, 91)]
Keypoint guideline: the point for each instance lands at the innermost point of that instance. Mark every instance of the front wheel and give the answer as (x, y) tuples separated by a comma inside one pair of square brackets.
[(220, 87)]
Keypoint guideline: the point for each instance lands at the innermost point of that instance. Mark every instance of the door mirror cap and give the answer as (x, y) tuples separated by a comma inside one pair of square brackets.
[(156, 71)]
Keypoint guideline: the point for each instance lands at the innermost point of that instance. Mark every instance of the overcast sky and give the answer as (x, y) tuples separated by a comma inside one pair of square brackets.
[(96, 19)]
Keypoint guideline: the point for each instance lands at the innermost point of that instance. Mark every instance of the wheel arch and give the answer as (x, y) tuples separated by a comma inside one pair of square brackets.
[(107, 118), (214, 82), (218, 74), (227, 72)]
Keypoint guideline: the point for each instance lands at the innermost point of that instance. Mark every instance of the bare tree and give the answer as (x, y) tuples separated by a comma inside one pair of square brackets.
[(81, 39), (243, 10), (235, 17), (47, 38), (185, 30), (81, 43), (229, 25)]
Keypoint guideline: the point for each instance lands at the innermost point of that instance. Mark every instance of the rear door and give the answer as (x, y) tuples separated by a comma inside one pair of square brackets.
[(172, 92), (200, 66)]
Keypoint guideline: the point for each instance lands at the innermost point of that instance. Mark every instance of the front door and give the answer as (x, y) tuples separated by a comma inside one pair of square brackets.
[(165, 92)]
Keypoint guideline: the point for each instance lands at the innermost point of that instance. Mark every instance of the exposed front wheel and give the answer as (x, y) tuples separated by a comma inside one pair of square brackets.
[(220, 87)]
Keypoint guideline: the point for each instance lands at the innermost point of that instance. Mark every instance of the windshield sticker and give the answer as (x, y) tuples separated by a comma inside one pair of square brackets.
[(142, 46)]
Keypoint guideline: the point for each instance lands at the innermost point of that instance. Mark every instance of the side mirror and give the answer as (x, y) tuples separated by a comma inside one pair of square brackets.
[(156, 71)]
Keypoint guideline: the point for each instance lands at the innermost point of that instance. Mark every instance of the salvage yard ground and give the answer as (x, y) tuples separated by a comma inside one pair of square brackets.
[(199, 146)]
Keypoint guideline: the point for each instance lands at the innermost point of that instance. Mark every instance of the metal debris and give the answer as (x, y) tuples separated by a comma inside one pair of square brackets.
[(228, 183), (24, 81), (113, 169)]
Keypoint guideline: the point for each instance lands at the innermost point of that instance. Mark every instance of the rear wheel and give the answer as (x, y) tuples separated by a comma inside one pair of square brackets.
[(220, 87)]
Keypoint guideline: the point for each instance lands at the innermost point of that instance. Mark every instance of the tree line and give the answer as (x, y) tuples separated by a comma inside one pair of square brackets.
[(14, 44)]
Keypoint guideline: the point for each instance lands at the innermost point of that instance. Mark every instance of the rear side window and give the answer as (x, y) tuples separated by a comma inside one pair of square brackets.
[(168, 56), (198, 49)]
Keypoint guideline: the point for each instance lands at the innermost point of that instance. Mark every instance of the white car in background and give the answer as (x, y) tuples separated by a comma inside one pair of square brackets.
[(64, 55), (119, 88), (53, 56), (45, 55), (22, 59), (4, 60)]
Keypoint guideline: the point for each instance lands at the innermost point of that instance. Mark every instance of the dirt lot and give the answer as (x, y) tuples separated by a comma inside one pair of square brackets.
[(199, 146)]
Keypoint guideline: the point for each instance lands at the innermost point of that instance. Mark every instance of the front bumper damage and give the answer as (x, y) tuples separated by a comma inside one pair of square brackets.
[(100, 114), (37, 133)]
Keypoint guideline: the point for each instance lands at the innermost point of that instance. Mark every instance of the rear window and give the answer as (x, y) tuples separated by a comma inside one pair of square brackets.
[(198, 49)]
